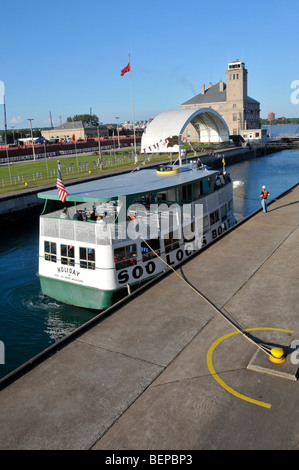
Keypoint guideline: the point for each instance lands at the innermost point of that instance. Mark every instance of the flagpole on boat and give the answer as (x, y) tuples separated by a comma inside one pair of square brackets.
[(136, 158), (180, 150), (62, 193)]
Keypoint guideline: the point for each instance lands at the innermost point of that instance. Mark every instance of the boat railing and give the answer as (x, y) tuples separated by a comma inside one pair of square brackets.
[(76, 230), (147, 223), (106, 233)]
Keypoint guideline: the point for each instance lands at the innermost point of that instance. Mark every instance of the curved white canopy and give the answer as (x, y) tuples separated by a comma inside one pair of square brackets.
[(210, 126)]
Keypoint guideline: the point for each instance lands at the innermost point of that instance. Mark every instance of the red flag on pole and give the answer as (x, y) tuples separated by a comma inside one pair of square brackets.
[(62, 194), (126, 69)]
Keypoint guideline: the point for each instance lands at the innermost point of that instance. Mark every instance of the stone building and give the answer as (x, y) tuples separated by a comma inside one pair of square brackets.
[(240, 112), (74, 130)]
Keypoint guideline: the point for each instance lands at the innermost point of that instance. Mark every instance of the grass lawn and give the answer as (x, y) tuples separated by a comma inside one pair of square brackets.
[(43, 171)]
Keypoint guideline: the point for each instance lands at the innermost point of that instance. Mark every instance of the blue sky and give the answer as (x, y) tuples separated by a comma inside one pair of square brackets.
[(66, 56)]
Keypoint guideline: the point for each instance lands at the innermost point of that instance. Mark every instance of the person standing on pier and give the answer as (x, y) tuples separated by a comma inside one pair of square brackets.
[(264, 196)]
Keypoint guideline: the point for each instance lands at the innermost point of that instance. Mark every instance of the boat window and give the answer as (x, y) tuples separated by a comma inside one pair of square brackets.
[(205, 186), (196, 190), (223, 213), (87, 258), (167, 197), (50, 251), (145, 199), (125, 256), (186, 193), (171, 241), (214, 217), (161, 197), (67, 255), (147, 253), (205, 224), (189, 232)]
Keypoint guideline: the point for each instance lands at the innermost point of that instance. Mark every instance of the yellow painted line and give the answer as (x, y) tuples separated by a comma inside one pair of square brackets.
[(220, 381)]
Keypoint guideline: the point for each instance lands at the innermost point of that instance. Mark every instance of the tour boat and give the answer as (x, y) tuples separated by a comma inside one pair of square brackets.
[(151, 220)]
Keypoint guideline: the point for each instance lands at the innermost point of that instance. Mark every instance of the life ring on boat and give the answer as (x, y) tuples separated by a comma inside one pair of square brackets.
[(168, 172)]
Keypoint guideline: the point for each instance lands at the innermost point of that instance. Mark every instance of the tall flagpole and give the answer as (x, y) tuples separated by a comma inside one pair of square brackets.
[(136, 158)]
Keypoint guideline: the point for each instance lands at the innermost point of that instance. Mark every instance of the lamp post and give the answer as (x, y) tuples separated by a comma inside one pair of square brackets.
[(117, 118), (32, 138), (99, 142), (6, 143)]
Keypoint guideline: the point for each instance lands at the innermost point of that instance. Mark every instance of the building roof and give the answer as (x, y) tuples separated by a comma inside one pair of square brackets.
[(76, 125), (251, 100), (206, 121), (211, 95)]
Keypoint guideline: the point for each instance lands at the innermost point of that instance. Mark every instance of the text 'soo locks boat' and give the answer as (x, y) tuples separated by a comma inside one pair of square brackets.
[(151, 219)]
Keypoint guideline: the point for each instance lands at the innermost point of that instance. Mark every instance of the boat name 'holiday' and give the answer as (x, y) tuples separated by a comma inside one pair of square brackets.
[(68, 270)]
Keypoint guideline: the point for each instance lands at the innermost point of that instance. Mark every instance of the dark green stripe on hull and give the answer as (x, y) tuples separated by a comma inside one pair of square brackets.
[(77, 295)]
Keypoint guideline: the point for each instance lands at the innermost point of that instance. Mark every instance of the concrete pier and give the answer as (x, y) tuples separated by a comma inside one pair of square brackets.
[(165, 371)]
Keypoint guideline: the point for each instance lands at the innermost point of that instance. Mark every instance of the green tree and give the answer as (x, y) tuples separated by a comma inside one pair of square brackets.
[(92, 118), (266, 122)]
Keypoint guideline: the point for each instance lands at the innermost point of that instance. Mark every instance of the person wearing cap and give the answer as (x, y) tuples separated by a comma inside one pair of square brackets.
[(264, 195), (78, 215)]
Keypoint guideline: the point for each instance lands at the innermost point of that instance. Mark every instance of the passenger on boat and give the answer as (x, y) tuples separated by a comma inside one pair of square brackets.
[(221, 178), (64, 213), (227, 177), (101, 221), (78, 215), (218, 183), (92, 215)]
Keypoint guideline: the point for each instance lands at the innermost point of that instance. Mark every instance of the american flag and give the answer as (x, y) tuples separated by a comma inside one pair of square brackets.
[(62, 194)]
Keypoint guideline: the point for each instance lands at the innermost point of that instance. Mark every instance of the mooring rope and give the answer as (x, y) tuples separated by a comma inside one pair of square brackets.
[(234, 323)]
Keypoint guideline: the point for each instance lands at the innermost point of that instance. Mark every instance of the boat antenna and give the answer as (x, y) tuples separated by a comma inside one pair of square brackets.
[(180, 150)]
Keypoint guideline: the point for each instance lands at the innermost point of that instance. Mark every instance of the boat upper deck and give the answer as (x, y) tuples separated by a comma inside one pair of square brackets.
[(136, 182)]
